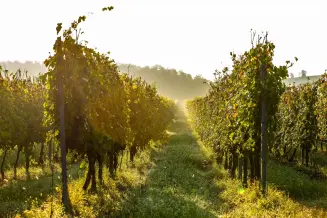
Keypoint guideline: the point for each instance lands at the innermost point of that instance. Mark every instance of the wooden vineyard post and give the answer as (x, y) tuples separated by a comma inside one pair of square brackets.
[(61, 101), (263, 135), (63, 147)]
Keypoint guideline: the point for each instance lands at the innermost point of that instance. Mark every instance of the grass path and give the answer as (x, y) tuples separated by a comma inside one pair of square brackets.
[(179, 185), (178, 179), (175, 180)]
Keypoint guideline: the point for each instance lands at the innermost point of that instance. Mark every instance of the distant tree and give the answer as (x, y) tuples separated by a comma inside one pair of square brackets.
[(303, 73), (291, 75)]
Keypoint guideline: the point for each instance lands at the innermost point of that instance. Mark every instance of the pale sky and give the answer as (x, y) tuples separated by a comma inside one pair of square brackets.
[(195, 36)]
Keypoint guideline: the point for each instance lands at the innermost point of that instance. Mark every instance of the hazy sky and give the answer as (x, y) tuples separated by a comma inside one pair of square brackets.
[(193, 36)]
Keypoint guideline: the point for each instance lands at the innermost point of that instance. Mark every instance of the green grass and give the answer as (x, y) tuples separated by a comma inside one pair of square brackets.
[(298, 185), (19, 195), (35, 198), (320, 157), (180, 185), (178, 179), (172, 191)]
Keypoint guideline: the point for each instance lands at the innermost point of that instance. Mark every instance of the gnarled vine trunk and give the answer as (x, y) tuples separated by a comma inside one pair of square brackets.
[(99, 158), (234, 163), (226, 161), (41, 159), (307, 151), (245, 170), (16, 161), (240, 165), (27, 161), (293, 155), (257, 161), (252, 166), (90, 173), (132, 153), (3, 163)]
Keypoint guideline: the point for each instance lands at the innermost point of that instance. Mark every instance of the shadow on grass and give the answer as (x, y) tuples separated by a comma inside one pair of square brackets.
[(320, 157), (180, 185), (161, 203), (299, 186), (21, 194)]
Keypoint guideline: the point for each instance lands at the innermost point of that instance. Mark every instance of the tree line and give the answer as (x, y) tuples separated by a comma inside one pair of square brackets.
[(176, 85)]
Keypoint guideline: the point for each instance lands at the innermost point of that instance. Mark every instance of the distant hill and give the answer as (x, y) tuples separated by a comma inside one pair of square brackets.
[(301, 80), (32, 67), (171, 83), (174, 84)]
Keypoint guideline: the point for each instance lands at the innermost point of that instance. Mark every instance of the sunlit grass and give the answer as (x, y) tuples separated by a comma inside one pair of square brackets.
[(250, 203), (176, 179), (34, 198)]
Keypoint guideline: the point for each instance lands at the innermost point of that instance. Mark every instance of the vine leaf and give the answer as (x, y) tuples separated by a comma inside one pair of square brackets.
[(108, 8), (59, 27)]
